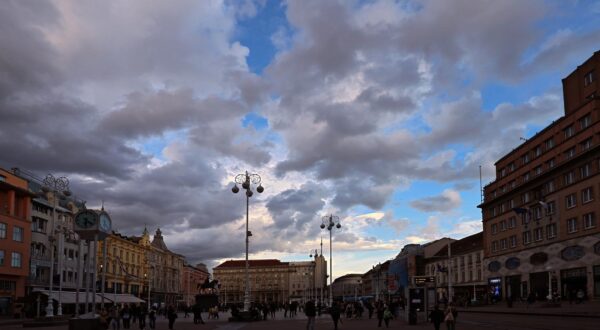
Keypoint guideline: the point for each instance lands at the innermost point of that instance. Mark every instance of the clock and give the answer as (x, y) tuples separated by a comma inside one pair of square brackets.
[(86, 219), (105, 222)]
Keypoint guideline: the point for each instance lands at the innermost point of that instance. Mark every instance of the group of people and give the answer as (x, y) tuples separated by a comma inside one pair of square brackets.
[(448, 315), (127, 315)]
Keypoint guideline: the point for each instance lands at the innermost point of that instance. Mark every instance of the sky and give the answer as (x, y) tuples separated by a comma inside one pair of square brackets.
[(379, 112)]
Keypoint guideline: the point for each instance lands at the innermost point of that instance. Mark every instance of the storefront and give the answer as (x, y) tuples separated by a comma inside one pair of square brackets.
[(513, 287), (572, 281), (539, 284), (495, 289), (597, 281)]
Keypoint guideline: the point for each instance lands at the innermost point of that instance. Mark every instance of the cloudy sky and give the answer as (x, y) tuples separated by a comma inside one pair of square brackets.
[(379, 112)]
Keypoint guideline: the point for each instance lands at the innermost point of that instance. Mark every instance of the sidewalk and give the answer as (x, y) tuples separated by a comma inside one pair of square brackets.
[(585, 309)]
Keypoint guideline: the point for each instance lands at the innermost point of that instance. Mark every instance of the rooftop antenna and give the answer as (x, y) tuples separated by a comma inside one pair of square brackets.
[(103, 205), (480, 185)]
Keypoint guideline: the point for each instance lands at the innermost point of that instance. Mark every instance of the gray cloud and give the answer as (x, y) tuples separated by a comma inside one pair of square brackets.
[(446, 201)]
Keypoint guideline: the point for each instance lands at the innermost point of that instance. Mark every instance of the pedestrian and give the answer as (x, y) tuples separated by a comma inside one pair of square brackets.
[(380, 311), (436, 316), (172, 316), (310, 311), (125, 316), (103, 319), (335, 314), (197, 310), (450, 316), (387, 316), (152, 318), (141, 316), (115, 318)]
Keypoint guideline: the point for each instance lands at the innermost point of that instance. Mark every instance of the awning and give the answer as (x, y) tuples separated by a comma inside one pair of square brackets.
[(70, 297), (122, 298)]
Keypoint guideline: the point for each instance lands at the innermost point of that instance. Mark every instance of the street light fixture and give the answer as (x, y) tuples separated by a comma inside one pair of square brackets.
[(330, 222), (56, 185), (246, 179)]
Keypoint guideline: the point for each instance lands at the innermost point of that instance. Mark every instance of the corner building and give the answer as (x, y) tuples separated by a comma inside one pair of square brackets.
[(540, 215)]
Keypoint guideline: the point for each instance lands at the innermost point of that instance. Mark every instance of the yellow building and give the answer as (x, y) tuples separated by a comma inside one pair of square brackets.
[(125, 264)]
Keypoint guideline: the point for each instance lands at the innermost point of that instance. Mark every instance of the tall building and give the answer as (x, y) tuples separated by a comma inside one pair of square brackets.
[(269, 280), (15, 238), (347, 287), (540, 214), (461, 267), (375, 281), (192, 279)]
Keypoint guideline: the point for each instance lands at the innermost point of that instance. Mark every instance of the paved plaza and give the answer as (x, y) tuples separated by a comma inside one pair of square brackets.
[(468, 320)]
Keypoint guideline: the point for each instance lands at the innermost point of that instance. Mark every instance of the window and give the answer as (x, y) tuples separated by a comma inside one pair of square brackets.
[(570, 153), (538, 170), (550, 186), (1, 257), (16, 260), (503, 225), (511, 204), (585, 121), (585, 171), (549, 144), (512, 222), (525, 158), (551, 230), (587, 195), (571, 201), (525, 198), (526, 237), (503, 245), (513, 241), (568, 132), (537, 212), (494, 246), (537, 151), (502, 208), (551, 207), (569, 178), (526, 177), (589, 221), (513, 184), (493, 211), (588, 79), (2, 230), (585, 145), (551, 163), (18, 234), (511, 167), (494, 229), (572, 225), (538, 234), (503, 173)]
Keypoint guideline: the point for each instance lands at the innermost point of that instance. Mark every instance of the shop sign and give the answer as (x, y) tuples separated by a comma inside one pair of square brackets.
[(494, 266), (495, 280), (539, 258), (572, 253), (512, 263)]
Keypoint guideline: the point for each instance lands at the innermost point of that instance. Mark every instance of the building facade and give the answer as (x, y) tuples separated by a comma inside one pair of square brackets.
[(15, 238), (269, 281), (347, 287), (375, 281), (540, 214), (192, 278), (461, 268)]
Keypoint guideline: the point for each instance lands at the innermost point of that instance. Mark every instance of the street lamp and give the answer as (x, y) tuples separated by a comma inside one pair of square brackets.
[(246, 180), (58, 185), (330, 222)]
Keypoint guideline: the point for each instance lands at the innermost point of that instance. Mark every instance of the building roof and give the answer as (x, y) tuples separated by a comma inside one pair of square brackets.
[(158, 241), (464, 245), (252, 263)]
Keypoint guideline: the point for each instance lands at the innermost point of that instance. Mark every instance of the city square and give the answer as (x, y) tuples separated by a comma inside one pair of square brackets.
[(287, 164)]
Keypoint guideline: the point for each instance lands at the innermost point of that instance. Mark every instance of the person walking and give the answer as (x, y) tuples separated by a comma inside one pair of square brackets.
[(436, 316), (387, 316), (141, 316), (311, 312), (450, 316), (126, 316), (115, 318), (152, 318), (172, 316), (335, 314), (380, 311)]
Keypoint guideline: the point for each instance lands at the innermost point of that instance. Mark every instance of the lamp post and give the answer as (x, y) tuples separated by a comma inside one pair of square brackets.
[(56, 185), (246, 180), (330, 222)]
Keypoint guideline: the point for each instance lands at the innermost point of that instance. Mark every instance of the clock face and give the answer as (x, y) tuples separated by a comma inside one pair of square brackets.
[(86, 219), (105, 223)]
